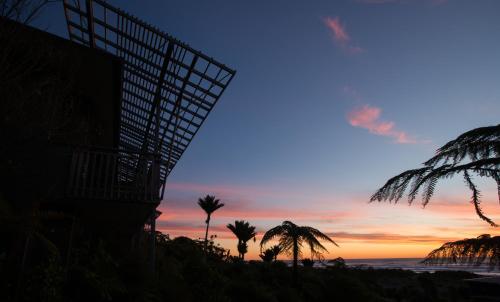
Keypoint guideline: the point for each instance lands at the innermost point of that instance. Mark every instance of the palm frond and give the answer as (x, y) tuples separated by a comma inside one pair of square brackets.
[(242, 230), (272, 233), (395, 187), (318, 234), (290, 233), (210, 204), (478, 143), (476, 151), (314, 244), (475, 199)]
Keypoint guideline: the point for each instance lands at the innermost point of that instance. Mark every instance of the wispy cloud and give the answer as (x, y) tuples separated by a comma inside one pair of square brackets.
[(340, 35), (389, 237), (176, 210), (368, 117)]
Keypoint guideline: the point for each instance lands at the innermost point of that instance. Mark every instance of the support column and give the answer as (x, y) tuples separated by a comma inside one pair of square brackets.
[(152, 242)]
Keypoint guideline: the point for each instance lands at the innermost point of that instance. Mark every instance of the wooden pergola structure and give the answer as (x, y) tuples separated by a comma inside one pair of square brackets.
[(167, 91), (168, 88)]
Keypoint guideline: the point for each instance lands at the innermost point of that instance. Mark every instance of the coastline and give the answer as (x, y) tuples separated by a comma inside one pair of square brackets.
[(411, 264)]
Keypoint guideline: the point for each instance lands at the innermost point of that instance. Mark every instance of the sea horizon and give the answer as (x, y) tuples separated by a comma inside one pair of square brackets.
[(412, 264)]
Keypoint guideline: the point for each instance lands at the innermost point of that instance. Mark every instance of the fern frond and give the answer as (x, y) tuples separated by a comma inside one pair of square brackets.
[(475, 251), (476, 199), (475, 151), (477, 144)]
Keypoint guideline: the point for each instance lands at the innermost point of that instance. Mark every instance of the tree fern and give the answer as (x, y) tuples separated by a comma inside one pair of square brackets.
[(476, 152), (292, 237), (475, 251)]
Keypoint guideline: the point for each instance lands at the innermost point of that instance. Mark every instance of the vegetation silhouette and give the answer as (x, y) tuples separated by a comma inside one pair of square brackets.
[(276, 251), (187, 270), (307, 262), (474, 152), (244, 232), (267, 255), (474, 251), (270, 254), (209, 204), (292, 237)]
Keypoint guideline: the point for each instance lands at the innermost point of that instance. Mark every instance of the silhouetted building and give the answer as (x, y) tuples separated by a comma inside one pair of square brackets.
[(92, 127)]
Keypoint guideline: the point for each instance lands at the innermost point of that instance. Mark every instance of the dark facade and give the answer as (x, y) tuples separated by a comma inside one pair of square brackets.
[(91, 127), (60, 131)]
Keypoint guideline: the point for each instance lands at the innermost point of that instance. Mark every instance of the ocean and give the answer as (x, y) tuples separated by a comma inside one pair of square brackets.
[(414, 264)]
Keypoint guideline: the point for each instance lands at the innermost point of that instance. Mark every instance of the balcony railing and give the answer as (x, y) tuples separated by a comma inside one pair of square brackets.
[(114, 175)]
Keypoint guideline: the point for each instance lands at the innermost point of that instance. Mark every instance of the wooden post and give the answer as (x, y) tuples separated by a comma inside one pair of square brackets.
[(152, 238)]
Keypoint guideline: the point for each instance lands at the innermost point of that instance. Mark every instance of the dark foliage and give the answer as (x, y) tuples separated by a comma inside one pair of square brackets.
[(291, 239), (474, 251), (209, 204), (307, 262), (186, 271), (476, 152), (244, 232), (267, 255)]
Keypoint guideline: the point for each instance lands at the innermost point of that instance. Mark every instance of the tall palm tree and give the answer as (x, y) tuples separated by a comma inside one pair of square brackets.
[(209, 204), (244, 232), (473, 251), (474, 152), (292, 237)]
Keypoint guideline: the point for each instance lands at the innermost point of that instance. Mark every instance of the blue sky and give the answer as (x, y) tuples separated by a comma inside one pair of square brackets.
[(322, 92)]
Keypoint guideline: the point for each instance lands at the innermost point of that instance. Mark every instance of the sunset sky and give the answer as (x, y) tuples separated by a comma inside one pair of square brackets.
[(330, 99)]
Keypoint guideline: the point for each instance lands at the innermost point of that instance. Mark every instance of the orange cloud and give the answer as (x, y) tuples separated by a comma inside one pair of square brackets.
[(388, 237), (368, 117), (340, 35)]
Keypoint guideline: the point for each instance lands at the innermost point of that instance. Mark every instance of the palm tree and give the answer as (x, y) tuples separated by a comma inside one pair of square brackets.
[(244, 232), (267, 255), (209, 204), (276, 251), (292, 237), (474, 152), (473, 251)]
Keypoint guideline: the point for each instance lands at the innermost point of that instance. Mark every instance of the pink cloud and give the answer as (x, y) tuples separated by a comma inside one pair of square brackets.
[(183, 211), (368, 117), (340, 35)]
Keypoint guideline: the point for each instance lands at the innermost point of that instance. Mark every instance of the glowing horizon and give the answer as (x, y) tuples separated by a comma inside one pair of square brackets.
[(361, 230), (330, 100)]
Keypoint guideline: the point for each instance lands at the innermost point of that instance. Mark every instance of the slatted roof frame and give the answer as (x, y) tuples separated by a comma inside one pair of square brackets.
[(168, 88)]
